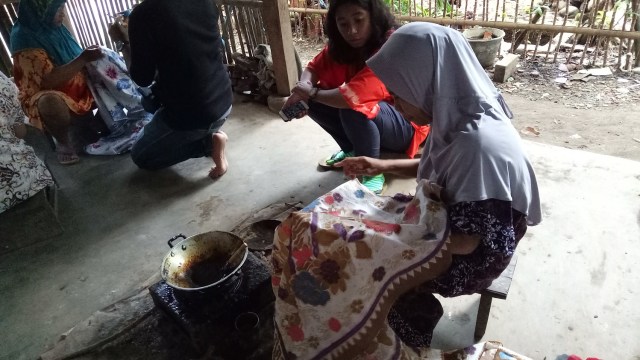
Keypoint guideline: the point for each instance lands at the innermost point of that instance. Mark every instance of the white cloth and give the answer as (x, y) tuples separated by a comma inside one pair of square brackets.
[(265, 74), (119, 102), (473, 151), (22, 173)]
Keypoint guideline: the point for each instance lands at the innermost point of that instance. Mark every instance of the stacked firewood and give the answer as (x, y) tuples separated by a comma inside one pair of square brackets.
[(248, 77)]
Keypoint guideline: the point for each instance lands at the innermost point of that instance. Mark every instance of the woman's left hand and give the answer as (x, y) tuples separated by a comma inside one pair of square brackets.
[(303, 90), (361, 165), (92, 53)]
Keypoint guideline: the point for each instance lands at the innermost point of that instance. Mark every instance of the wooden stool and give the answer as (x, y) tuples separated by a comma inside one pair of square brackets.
[(499, 289), (30, 221)]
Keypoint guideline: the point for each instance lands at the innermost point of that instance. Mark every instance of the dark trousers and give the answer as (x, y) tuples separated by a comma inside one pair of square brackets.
[(160, 146), (354, 132)]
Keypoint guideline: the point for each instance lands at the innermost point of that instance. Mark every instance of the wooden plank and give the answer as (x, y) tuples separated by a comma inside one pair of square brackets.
[(500, 287), (80, 23), (5, 31), (238, 27), (244, 24), (482, 318), (104, 18), (228, 25), (29, 222), (278, 30), (222, 23), (67, 23), (243, 3), (502, 25)]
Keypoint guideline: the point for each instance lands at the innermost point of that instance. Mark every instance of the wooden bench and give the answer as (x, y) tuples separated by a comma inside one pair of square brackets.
[(499, 289), (30, 221)]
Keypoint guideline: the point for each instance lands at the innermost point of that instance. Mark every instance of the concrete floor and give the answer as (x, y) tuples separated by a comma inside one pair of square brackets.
[(575, 290)]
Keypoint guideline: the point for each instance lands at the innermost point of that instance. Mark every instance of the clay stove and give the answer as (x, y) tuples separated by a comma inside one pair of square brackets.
[(224, 317)]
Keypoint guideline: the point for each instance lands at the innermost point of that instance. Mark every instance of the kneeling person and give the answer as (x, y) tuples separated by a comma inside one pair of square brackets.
[(177, 44)]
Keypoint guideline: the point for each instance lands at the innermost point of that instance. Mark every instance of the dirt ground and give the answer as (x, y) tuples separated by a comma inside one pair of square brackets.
[(557, 104)]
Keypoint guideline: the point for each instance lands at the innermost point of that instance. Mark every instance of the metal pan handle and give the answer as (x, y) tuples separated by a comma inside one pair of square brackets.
[(170, 242)]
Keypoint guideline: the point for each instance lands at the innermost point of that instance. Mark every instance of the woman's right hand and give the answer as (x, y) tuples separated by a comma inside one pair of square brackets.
[(361, 165), (92, 53), (303, 90), (294, 98)]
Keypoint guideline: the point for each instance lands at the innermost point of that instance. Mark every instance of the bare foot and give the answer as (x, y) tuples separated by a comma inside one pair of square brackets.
[(219, 142)]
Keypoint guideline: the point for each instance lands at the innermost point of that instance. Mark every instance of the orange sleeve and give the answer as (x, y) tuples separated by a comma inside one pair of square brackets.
[(364, 91), (329, 73)]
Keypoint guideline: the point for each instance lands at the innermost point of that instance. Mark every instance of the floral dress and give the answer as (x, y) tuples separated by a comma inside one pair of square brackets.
[(105, 83), (416, 313), (29, 68), (22, 173)]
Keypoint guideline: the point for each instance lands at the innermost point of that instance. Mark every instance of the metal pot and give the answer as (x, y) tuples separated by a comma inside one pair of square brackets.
[(203, 261)]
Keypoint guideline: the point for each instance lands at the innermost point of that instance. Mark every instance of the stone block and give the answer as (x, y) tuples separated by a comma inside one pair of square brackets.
[(505, 68)]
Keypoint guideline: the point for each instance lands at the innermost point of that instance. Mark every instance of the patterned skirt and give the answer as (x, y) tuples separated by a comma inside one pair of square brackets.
[(416, 313)]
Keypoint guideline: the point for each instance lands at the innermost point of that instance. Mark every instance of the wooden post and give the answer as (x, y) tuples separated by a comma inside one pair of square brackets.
[(278, 27)]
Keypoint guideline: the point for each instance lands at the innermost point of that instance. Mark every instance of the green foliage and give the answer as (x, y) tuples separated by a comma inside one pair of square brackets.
[(628, 5), (540, 10), (409, 7), (577, 17), (399, 6)]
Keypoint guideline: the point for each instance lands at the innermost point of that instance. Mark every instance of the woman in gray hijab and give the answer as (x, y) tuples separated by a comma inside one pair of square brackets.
[(473, 158)]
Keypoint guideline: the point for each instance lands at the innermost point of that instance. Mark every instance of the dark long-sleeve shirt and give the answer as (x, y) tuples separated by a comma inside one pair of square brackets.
[(177, 43)]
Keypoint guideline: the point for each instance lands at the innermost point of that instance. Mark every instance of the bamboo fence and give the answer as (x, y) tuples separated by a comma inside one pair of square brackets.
[(90, 20), (8, 15), (610, 37), (607, 37), (242, 26)]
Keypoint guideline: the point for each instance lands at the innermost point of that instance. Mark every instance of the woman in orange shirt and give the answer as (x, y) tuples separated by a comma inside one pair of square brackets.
[(344, 96)]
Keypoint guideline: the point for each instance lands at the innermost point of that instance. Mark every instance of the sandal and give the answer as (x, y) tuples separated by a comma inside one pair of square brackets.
[(66, 156), (335, 158), (374, 183)]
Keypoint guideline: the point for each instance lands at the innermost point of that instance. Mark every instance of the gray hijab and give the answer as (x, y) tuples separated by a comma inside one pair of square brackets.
[(473, 150)]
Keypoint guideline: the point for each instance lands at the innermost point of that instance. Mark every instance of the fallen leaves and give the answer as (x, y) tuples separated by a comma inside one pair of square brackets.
[(531, 131)]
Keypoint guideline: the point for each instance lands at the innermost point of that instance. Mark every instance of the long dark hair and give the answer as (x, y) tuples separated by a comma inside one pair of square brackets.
[(381, 21)]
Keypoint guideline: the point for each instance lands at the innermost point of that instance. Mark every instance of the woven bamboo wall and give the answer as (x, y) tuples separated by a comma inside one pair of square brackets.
[(90, 20)]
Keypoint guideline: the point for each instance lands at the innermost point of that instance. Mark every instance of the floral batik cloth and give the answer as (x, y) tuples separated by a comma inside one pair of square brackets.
[(105, 81), (339, 265), (119, 102), (22, 173)]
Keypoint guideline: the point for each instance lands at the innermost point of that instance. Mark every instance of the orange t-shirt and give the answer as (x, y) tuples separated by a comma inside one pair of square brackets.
[(361, 89)]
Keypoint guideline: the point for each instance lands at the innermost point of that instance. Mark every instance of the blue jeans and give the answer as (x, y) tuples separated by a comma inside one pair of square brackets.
[(160, 146), (365, 137)]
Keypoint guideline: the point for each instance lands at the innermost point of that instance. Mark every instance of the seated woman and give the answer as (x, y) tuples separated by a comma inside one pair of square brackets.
[(339, 270), (22, 173), (49, 71), (342, 92)]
